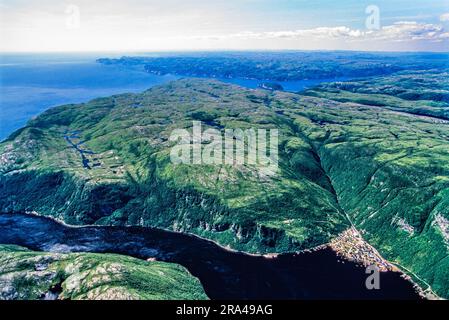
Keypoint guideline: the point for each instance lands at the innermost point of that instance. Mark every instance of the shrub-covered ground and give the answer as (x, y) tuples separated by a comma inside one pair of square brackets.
[(28, 275), (373, 153), (135, 183)]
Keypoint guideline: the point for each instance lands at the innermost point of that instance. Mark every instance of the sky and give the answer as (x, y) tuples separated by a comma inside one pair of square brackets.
[(181, 25)]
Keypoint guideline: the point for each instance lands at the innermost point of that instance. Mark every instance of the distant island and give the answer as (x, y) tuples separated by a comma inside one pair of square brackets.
[(367, 154), (282, 66)]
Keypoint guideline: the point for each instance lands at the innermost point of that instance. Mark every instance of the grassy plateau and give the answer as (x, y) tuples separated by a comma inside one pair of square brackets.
[(373, 153)]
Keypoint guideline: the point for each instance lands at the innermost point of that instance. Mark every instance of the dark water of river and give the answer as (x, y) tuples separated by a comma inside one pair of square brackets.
[(224, 274)]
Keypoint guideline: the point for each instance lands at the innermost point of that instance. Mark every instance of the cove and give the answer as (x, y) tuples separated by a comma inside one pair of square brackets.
[(223, 273)]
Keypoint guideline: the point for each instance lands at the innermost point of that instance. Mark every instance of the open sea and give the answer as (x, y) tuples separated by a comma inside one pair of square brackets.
[(32, 83)]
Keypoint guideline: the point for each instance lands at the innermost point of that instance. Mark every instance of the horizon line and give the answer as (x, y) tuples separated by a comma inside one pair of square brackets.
[(219, 50)]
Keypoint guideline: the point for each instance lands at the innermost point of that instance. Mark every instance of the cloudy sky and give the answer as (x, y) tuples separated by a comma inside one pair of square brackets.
[(138, 25)]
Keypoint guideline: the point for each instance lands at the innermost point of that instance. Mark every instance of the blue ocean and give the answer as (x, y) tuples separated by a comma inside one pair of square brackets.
[(32, 83)]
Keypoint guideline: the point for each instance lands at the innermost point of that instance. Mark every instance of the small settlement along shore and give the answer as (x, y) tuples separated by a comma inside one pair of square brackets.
[(351, 246)]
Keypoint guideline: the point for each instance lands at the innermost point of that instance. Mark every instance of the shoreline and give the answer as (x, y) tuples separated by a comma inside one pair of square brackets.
[(423, 293), (351, 246), (227, 248)]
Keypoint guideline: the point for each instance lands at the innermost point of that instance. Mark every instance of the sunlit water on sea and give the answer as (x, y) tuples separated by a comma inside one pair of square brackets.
[(32, 83)]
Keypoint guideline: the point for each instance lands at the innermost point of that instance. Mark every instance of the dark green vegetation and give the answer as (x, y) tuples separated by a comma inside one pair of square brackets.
[(420, 92), (379, 160), (282, 66), (135, 182), (32, 275)]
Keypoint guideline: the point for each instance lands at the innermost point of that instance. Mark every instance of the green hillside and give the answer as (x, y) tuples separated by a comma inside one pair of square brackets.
[(28, 275), (381, 165), (135, 183)]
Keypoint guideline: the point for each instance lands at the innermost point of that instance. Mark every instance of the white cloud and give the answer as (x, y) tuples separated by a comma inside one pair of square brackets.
[(139, 25), (409, 30), (399, 31)]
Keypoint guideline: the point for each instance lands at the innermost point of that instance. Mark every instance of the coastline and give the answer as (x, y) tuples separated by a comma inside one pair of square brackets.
[(351, 246), (227, 248), (393, 267)]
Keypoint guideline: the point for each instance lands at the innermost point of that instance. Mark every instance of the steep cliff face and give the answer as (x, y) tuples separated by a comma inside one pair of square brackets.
[(108, 162), (392, 177), (378, 166)]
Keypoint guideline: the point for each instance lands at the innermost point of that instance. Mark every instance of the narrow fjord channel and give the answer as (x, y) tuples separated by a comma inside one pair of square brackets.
[(224, 274)]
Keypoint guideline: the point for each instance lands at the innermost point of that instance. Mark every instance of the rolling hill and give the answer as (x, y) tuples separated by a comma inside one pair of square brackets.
[(350, 154)]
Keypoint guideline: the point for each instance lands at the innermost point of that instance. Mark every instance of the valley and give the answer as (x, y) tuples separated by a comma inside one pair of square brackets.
[(223, 273), (370, 154)]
